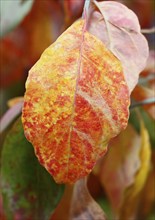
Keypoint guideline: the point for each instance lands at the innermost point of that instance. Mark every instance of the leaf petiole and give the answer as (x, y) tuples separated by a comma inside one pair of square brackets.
[(85, 8)]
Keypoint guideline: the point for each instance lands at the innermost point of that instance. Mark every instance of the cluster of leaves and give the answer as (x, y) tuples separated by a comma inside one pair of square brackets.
[(121, 184)]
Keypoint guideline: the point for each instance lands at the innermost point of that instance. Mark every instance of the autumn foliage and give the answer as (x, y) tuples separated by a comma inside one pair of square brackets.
[(80, 138)]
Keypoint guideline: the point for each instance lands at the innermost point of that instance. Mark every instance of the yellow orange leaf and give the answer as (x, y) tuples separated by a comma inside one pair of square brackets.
[(76, 100), (145, 155), (148, 195), (124, 170), (131, 196)]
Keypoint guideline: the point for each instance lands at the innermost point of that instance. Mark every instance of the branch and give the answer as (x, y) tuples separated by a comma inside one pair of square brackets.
[(85, 8), (144, 102), (148, 31)]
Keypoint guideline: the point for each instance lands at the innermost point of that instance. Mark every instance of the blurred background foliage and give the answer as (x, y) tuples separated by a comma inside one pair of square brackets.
[(122, 182)]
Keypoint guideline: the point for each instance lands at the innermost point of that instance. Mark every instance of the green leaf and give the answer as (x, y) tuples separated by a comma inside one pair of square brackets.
[(12, 13), (28, 190)]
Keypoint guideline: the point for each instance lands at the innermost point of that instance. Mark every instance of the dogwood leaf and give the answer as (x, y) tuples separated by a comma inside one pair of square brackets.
[(118, 28), (28, 191), (76, 100)]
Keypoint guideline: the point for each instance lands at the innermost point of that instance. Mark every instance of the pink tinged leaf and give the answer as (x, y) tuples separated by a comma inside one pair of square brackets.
[(77, 204), (118, 28), (83, 205), (10, 115)]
